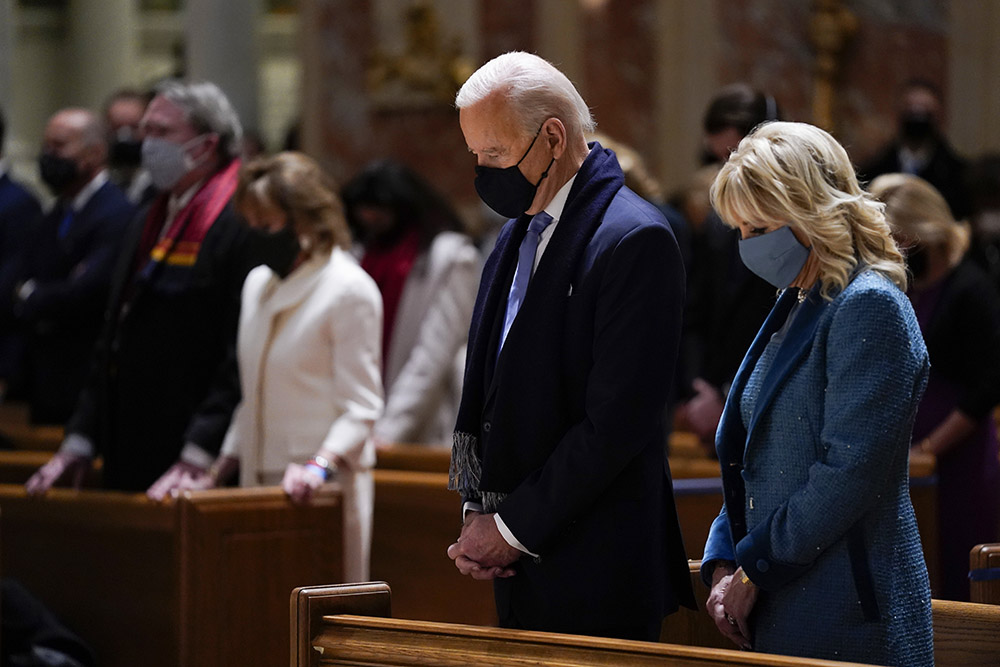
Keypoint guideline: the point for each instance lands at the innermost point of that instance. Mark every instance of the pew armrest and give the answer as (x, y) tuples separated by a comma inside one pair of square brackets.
[(309, 604)]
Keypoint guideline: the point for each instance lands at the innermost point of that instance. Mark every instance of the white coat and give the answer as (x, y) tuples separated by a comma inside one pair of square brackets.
[(309, 350), (426, 358)]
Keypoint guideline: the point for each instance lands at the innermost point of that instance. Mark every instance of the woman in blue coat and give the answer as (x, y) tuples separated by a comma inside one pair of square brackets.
[(816, 552)]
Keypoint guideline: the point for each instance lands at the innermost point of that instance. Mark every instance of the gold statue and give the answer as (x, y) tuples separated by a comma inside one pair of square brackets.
[(830, 29), (427, 72)]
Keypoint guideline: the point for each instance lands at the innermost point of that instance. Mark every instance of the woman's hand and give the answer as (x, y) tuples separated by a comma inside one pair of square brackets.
[(300, 482), (730, 602)]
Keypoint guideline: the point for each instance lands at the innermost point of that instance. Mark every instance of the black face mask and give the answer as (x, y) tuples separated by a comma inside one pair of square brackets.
[(57, 172), (281, 248), (125, 153), (507, 191), (916, 260), (916, 126)]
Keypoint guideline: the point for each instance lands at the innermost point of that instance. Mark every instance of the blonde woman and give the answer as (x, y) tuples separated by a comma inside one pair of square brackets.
[(959, 314), (309, 349), (816, 552)]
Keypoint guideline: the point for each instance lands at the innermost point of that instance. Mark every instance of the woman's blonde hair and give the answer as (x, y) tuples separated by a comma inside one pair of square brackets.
[(919, 214), (797, 174), (295, 184)]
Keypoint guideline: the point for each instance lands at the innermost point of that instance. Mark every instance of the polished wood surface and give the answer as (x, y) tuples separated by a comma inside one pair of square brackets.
[(984, 562), (17, 429), (203, 581)]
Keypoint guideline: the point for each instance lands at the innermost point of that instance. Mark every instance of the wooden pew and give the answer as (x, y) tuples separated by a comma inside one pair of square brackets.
[(984, 574), (203, 581), (16, 427), (350, 625)]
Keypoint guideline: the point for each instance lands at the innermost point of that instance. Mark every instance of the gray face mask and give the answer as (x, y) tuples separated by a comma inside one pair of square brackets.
[(166, 161), (777, 256)]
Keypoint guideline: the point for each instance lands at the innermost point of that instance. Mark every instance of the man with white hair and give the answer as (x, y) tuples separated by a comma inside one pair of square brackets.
[(163, 384), (558, 448)]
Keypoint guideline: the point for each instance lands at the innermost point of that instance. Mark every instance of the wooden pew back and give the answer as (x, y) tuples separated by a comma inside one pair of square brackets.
[(984, 574), (349, 625), (360, 634), (17, 429), (198, 582)]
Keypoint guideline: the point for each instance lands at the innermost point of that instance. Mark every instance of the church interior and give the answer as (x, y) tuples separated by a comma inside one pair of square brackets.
[(244, 576)]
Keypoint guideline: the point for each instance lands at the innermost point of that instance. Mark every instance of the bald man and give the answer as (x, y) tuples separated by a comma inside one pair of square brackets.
[(70, 257)]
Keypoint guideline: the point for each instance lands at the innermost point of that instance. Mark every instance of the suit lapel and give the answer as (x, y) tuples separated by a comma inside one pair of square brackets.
[(797, 342)]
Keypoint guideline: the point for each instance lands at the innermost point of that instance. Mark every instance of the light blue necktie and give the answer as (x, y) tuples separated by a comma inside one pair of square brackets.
[(65, 223), (525, 264)]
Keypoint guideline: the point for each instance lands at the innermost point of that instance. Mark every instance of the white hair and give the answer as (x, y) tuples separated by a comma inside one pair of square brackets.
[(535, 90), (208, 110)]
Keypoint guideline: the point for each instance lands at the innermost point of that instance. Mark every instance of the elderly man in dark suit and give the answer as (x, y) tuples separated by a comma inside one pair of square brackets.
[(558, 449), (18, 212), (164, 384), (68, 263)]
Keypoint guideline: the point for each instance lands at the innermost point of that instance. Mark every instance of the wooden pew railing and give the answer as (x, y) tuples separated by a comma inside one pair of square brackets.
[(350, 625), (17, 429), (984, 574), (202, 581)]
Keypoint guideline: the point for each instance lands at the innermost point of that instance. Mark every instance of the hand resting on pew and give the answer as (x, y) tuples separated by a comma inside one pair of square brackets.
[(730, 603), (481, 551), (62, 468)]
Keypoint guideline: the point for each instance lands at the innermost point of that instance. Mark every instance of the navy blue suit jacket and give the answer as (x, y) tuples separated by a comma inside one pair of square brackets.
[(19, 210), (65, 312), (571, 430)]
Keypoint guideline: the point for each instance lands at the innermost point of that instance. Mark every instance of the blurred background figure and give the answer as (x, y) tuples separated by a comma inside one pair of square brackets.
[(309, 348), (163, 385), (410, 241), (726, 302), (123, 116), (19, 211), (959, 314), (68, 263), (920, 147), (983, 178)]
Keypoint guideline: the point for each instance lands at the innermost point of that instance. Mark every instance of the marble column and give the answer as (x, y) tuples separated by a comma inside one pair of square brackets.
[(101, 50), (6, 54), (223, 47)]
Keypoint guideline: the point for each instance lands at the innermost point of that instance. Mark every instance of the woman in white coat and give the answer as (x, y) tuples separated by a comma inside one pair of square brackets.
[(427, 271), (309, 349)]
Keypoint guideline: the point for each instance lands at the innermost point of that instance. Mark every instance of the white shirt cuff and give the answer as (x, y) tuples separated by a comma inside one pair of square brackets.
[(26, 289), (470, 506), (75, 444), (196, 456), (509, 536)]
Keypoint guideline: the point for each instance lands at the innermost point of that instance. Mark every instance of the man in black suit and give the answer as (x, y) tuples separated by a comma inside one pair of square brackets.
[(558, 446), (68, 263), (920, 148), (19, 210), (164, 383)]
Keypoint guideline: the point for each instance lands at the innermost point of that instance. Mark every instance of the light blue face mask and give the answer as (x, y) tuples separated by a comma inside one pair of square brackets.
[(776, 256)]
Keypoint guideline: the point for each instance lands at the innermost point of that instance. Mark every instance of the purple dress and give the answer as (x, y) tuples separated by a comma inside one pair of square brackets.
[(969, 472)]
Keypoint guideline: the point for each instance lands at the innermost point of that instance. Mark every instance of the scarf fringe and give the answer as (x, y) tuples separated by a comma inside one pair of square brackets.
[(466, 467)]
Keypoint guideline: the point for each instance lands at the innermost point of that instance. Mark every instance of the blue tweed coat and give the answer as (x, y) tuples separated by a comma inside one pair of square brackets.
[(817, 507)]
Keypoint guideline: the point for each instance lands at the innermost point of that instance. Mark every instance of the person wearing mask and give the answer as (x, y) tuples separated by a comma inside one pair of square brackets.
[(123, 114), (309, 353), (726, 302), (558, 446), (921, 148), (816, 551), (19, 211), (164, 384), (426, 269), (959, 314), (68, 262)]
